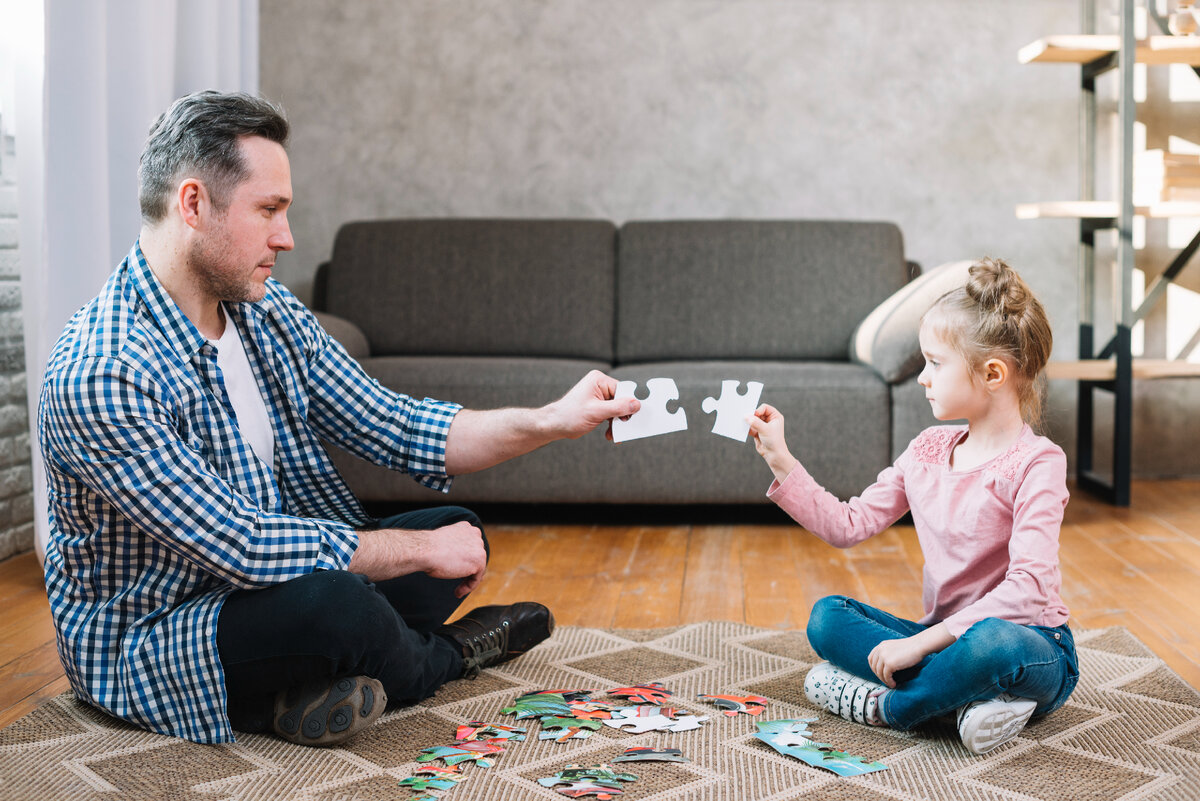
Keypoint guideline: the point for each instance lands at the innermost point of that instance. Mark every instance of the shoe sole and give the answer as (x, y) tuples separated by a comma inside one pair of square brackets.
[(329, 715), (996, 729)]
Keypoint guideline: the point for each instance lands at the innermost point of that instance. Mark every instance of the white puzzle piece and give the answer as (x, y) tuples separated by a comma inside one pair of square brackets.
[(653, 418), (640, 720), (733, 408)]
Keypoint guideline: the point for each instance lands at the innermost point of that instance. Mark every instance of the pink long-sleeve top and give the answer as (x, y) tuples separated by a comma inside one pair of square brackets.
[(989, 534)]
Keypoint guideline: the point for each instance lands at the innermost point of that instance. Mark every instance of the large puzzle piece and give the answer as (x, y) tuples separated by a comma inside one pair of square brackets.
[(652, 693), (463, 752), (733, 409), (733, 704), (432, 777), (652, 418), (598, 773), (478, 730), (562, 729), (790, 738), (642, 753), (642, 719), (582, 788), (598, 780), (539, 705)]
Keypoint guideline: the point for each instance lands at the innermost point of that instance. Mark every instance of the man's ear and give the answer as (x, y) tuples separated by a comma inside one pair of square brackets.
[(995, 373), (192, 200)]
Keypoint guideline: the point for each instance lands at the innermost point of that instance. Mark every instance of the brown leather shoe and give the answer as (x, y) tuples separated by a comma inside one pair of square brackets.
[(329, 713), (491, 635)]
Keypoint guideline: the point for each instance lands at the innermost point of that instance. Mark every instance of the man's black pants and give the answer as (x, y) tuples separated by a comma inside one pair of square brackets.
[(334, 623)]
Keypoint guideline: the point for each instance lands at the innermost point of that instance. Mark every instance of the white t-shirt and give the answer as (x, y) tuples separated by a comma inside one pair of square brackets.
[(244, 394)]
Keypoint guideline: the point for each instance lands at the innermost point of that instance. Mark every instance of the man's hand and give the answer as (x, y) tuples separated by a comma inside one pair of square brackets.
[(586, 405), (766, 425), (450, 552)]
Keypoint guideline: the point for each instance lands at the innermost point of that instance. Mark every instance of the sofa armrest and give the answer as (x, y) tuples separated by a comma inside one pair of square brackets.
[(886, 340), (345, 332)]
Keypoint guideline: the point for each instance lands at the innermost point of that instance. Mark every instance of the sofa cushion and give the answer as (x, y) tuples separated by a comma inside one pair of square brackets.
[(477, 287), (887, 339), (742, 289)]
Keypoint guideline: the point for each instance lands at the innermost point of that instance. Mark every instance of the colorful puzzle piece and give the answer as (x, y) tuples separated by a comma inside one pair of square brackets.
[(562, 729), (733, 704), (598, 773), (478, 730), (433, 777), (652, 418), (570, 696), (641, 753), (580, 789), (591, 710), (478, 752), (539, 705), (645, 718), (789, 737), (652, 693), (733, 408)]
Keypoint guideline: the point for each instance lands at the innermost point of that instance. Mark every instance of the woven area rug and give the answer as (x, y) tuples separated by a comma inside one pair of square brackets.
[(1131, 731)]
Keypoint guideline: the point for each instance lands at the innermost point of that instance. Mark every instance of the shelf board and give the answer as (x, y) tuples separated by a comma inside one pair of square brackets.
[(1104, 209), (1106, 369), (1084, 49)]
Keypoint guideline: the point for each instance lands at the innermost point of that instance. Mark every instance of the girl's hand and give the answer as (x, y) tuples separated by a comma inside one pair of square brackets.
[(766, 426), (891, 656)]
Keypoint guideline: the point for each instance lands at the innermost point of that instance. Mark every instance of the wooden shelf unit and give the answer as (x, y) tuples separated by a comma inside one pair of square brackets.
[(1110, 366), (1088, 48)]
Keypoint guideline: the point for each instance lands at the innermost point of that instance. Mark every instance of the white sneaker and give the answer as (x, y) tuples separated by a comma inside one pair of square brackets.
[(843, 693), (984, 725)]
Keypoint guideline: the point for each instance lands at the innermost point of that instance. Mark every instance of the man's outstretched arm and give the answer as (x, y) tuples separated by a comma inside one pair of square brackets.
[(480, 439)]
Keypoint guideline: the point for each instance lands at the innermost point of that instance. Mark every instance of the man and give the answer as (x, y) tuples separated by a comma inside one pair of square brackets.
[(208, 569)]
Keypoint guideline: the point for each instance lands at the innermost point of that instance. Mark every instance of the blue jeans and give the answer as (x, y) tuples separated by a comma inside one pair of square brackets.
[(993, 656)]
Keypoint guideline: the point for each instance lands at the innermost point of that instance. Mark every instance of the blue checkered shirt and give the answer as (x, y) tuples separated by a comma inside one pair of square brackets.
[(159, 509)]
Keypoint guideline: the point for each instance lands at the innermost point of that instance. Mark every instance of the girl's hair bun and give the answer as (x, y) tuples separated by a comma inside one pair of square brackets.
[(997, 288)]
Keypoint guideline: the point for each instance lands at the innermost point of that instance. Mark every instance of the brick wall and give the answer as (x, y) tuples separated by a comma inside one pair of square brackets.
[(16, 477)]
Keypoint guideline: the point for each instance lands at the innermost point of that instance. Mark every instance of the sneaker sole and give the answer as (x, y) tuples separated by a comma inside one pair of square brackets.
[(995, 730)]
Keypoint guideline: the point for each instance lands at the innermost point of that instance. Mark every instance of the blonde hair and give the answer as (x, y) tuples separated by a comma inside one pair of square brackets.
[(996, 315)]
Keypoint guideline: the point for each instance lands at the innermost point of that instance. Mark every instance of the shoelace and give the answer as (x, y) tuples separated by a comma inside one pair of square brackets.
[(485, 649)]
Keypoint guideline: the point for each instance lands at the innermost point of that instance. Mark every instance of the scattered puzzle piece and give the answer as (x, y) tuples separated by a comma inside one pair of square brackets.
[(463, 752), (478, 730), (539, 705), (597, 773), (570, 696), (433, 777), (641, 753), (652, 418), (591, 710), (580, 789), (733, 704), (652, 693), (733, 408), (789, 737), (645, 719), (562, 729)]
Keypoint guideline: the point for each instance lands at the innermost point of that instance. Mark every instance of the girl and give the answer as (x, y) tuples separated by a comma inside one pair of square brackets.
[(987, 499)]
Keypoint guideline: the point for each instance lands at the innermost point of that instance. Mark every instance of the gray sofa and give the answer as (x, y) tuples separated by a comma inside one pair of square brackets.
[(510, 312)]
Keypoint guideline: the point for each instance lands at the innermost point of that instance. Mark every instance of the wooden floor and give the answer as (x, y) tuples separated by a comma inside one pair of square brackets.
[(1137, 567)]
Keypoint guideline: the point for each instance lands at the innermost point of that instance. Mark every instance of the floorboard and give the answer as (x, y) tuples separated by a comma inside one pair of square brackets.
[(1137, 567)]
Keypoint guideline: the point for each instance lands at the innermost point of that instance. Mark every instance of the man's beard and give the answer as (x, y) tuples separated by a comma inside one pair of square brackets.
[(210, 259)]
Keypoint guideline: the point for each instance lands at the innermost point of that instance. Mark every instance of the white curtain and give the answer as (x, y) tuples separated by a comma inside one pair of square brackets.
[(106, 70)]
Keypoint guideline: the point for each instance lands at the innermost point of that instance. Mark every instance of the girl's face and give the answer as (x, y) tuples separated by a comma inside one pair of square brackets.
[(951, 387)]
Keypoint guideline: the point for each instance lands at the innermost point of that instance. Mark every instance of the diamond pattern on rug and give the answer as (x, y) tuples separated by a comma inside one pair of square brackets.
[(1131, 732), (635, 666), (1058, 773)]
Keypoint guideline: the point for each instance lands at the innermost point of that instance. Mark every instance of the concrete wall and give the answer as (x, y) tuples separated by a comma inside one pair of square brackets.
[(915, 112)]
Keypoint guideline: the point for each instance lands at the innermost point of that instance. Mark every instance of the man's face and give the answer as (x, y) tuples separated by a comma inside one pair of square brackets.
[(232, 255)]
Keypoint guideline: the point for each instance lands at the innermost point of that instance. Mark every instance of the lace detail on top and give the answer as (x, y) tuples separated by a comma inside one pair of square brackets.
[(933, 444), (1008, 464)]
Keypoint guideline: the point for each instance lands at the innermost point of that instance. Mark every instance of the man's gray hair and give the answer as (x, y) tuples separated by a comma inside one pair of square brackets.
[(199, 135)]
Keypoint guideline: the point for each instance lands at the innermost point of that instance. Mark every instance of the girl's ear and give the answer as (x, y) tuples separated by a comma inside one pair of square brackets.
[(995, 373)]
